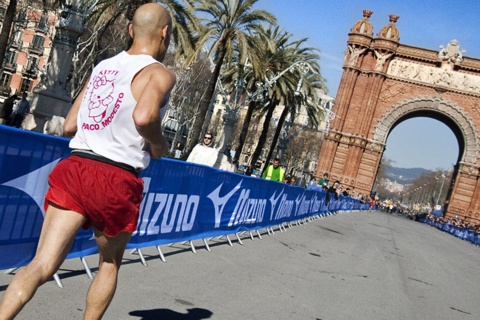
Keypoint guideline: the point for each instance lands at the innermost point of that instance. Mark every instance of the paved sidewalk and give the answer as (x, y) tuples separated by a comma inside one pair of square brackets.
[(357, 265)]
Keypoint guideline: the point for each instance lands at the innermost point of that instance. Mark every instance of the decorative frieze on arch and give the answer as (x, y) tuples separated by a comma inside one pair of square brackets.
[(438, 105)]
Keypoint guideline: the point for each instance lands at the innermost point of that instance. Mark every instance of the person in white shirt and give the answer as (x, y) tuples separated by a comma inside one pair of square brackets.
[(204, 152)]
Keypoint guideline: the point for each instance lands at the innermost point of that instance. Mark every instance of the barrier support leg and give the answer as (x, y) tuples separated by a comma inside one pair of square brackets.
[(57, 280), (239, 240), (251, 236), (162, 257), (87, 269), (229, 241), (10, 271), (206, 245), (192, 247), (142, 258), (259, 235)]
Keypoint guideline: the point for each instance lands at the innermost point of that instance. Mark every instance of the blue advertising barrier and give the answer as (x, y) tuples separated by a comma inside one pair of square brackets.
[(461, 233), (182, 201)]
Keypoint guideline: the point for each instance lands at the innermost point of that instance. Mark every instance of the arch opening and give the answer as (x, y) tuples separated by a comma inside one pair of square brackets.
[(418, 170), (425, 136), (446, 112)]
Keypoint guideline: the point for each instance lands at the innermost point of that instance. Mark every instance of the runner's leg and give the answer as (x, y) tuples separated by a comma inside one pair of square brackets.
[(103, 287), (58, 233)]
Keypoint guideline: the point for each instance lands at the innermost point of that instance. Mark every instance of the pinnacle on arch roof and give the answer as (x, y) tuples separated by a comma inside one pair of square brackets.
[(364, 26), (390, 31)]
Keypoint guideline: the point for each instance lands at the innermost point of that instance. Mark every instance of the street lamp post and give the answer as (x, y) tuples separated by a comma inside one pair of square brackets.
[(425, 193), (441, 187), (418, 198), (232, 109), (302, 66)]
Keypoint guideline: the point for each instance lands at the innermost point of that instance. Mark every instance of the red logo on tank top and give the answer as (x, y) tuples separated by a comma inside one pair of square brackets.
[(100, 99)]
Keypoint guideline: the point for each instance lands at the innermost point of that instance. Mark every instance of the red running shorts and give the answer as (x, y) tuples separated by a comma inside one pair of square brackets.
[(108, 196)]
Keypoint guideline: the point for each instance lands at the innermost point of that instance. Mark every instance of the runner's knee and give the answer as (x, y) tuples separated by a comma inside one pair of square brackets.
[(44, 270)]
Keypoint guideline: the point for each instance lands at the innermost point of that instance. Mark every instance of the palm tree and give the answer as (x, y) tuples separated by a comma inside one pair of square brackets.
[(292, 89), (227, 25), (265, 44), (251, 73), (105, 31), (305, 95), (183, 19)]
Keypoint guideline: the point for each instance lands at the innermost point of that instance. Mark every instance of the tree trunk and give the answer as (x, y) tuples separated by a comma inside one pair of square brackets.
[(263, 136), (245, 126), (278, 130), (203, 107), (5, 34)]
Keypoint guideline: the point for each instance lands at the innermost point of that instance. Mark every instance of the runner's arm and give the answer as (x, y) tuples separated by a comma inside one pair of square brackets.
[(147, 111)]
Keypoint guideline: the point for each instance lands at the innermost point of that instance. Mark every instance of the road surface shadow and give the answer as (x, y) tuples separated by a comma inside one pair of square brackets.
[(158, 314)]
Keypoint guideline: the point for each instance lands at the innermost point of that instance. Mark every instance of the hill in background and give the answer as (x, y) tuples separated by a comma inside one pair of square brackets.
[(404, 175)]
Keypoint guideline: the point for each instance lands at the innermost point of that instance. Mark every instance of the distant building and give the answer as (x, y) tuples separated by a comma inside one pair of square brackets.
[(28, 47)]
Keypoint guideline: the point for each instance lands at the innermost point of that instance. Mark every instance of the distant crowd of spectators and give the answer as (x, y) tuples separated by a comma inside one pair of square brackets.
[(337, 189), (457, 227)]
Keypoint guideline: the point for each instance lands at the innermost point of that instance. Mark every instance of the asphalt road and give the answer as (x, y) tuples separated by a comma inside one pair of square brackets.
[(358, 265)]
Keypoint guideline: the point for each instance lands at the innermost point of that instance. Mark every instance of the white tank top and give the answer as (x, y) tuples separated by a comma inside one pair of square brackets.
[(105, 123)]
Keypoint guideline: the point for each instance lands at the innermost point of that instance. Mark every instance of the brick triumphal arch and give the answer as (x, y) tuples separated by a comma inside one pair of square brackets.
[(384, 83)]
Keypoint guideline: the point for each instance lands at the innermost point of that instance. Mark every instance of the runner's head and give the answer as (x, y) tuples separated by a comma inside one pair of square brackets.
[(151, 29)]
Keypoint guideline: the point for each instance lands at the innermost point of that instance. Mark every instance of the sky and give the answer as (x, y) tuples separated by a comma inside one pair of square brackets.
[(422, 23)]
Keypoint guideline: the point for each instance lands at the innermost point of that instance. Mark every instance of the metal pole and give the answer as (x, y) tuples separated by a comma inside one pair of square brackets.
[(441, 187)]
